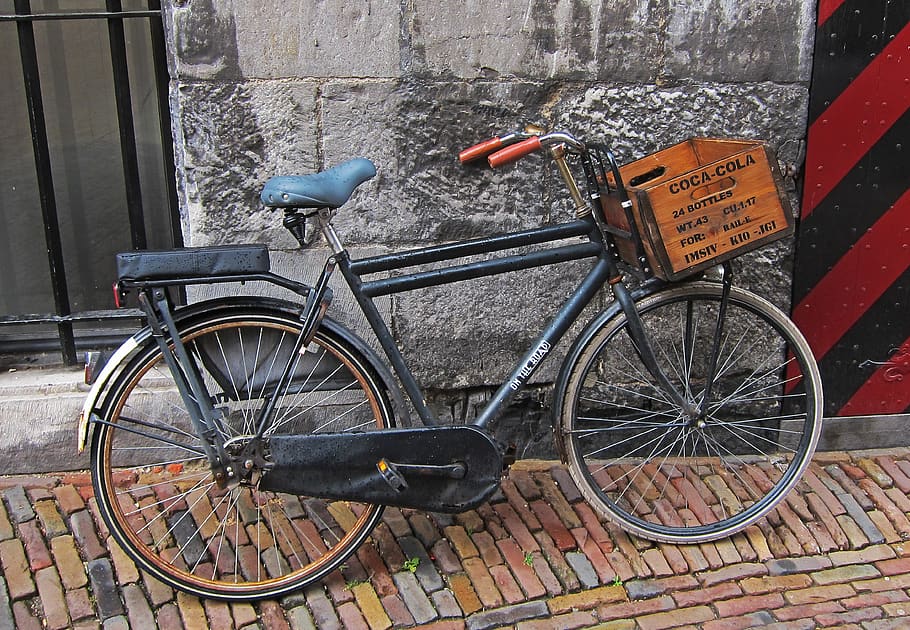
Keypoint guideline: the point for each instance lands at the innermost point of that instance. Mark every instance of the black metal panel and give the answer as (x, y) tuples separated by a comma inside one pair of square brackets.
[(852, 277), (855, 33), (24, 17), (855, 204)]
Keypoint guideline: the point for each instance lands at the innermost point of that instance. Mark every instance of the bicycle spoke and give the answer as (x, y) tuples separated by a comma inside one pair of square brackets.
[(171, 500), (295, 400), (729, 427), (199, 530), (227, 368), (176, 500), (656, 451), (222, 526), (640, 373), (591, 454), (268, 375), (629, 390), (165, 508), (628, 446)]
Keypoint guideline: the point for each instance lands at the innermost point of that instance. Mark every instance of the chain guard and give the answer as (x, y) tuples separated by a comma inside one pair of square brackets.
[(420, 467)]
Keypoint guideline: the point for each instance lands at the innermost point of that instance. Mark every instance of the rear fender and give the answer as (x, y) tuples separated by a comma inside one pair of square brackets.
[(91, 409)]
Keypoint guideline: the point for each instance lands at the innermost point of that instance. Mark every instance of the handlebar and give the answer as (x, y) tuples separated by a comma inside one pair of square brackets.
[(508, 148), (514, 152), (496, 143), (480, 150), (502, 150)]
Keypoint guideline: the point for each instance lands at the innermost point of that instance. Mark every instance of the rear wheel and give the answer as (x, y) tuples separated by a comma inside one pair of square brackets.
[(670, 475), (154, 485)]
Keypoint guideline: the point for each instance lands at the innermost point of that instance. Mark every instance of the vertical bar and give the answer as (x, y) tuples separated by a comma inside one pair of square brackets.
[(127, 131), (32, 79), (162, 80)]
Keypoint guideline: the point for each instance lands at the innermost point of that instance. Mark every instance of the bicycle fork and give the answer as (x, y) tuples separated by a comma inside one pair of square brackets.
[(695, 412)]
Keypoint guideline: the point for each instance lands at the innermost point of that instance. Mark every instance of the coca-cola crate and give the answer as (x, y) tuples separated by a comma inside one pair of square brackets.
[(699, 203)]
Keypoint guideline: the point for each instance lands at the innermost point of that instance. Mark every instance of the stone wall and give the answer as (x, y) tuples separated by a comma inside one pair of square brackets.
[(272, 87)]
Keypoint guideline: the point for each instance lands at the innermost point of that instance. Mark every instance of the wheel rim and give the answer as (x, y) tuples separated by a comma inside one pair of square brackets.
[(240, 542), (678, 477)]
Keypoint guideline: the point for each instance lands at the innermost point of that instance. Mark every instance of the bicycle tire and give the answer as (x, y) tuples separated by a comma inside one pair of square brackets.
[(154, 486), (641, 461)]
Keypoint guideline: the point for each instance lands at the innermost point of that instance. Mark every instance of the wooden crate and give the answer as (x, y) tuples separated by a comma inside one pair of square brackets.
[(699, 203)]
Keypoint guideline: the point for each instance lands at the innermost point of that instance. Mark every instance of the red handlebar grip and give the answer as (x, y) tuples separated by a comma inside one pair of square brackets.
[(514, 152), (479, 150)]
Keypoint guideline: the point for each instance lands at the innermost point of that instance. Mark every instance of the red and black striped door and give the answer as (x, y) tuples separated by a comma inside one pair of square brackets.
[(852, 279)]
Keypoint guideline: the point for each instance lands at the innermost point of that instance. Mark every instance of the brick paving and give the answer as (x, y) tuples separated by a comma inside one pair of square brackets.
[(536, 556)]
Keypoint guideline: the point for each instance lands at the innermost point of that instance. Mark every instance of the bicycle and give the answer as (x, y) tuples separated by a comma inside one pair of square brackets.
[(245, 447)]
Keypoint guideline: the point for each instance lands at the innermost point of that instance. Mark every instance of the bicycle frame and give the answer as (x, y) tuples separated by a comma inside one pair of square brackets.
[(604, 269), (364, 292)]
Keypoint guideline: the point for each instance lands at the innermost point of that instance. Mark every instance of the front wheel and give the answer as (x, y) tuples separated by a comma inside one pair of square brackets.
[(670, 474), (153, 482)]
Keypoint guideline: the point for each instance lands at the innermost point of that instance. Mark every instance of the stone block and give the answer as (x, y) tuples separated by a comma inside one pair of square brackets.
[(639, 119), (104, 588), (213, 41), (6, 613), (628, 40), (731, 40), (578, 40), (413, 131), (473, 333), (137, 607), (203, 39), (46, 402), (19, 583), (325, 39), (414, 597), (507, 615), (230, 139), (18, 505)]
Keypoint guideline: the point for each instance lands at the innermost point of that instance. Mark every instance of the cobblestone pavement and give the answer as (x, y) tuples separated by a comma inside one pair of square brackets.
[(833, 555)]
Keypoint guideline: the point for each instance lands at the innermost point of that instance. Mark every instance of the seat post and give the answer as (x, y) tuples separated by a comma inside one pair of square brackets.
[(325, 223)]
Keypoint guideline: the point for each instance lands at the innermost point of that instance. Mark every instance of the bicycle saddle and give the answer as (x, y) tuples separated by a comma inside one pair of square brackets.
[(327, 189)]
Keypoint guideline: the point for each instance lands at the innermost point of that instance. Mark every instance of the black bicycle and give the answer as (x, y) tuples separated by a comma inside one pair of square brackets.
[(244, 447)]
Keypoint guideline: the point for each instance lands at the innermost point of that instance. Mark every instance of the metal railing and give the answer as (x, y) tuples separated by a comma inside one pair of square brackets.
[(64, 316)]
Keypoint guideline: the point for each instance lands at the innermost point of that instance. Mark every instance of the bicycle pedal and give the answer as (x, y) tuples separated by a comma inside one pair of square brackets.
[(391, 476)]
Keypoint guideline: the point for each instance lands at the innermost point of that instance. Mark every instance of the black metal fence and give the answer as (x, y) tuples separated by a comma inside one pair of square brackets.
[(25, 15)]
